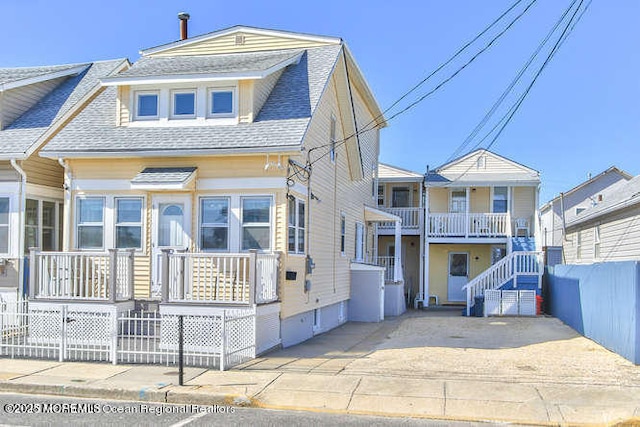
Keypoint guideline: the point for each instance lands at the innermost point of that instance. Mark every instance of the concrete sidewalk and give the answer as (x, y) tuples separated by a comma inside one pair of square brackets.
[(348, 370)]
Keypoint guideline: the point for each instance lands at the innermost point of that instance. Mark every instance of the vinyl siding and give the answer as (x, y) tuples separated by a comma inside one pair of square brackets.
[(439, 265), (413, 188), (493, 164), (480, 200), (262, 89), (227, 44), (338, 193), (7, 172), (524, 204), (43, 171), (438, 200), (17, 101), (123, 105), (619, 238), (245, 101)]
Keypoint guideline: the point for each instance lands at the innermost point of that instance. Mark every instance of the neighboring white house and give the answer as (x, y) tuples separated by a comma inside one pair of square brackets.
[(555, 214), (609, 230)]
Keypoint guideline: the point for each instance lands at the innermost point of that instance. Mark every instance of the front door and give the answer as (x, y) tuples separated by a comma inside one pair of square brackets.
[(170, 229), (458, 276)]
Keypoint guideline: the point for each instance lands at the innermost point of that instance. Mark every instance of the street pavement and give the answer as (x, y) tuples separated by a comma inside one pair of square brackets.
[(425, 364)]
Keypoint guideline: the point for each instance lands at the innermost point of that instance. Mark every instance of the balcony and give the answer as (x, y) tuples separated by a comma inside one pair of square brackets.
[(465, 225), (412, 221)]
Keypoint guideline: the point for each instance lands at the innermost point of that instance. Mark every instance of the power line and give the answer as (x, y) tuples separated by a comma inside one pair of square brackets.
[(440, 67), (509, 88), (423, 97), (508, 116)]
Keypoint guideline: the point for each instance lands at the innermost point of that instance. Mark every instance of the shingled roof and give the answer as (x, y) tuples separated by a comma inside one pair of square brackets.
[(12, 75), (281, 123), (18, 139)]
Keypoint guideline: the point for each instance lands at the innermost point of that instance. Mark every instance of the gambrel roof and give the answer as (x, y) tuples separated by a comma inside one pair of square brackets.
[(23, 136)]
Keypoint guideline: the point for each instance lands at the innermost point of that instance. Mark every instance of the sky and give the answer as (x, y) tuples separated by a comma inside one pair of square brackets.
[(581, 116)]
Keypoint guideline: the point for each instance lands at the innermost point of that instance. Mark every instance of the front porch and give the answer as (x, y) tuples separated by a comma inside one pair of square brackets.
[(186, 278)]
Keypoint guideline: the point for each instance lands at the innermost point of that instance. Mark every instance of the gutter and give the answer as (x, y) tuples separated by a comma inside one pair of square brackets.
[(67, 203), (23, 201)]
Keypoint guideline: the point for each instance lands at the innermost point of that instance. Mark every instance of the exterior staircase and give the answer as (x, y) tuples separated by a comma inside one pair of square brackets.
[(522, 269)]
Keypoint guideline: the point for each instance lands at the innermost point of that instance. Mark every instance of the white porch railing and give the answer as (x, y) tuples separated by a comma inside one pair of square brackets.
[(244, 278), (412, 218), (91, 276), (508, 268), (468, 225), (389, 263)]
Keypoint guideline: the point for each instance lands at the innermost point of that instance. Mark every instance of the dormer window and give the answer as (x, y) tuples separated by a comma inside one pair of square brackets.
[(221, 102), (146, 105), (183, 104)]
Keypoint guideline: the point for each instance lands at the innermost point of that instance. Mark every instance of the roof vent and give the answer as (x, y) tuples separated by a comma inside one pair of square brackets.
[(239, 39), (183, 17), (599, 197)]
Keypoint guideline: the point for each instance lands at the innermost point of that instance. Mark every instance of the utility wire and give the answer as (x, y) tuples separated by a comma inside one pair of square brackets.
[(440, 67), (504, 121), (366, 128), (509, 88)]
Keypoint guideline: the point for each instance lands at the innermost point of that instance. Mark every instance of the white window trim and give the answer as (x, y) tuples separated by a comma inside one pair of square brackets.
[(296, 226), (8, 225), (493, 195), (172, 112), (458, 190), (136, 96), (77, 222), (271, 221), (57, 232), (216, 225), (597, 243), (234, 94), (383, 194), (129, 224)]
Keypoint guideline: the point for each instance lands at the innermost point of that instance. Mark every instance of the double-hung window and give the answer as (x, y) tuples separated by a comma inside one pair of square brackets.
[(500, 199), (296, 226), (183, 104), (380, 195), (31, 219), (214, 224), (147, 105), (4, 225), (128, 222), (221, 102), (90, 223), (256, 223), (596, 242)]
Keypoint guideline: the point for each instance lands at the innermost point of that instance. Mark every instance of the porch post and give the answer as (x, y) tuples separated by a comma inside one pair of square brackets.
[(467, 210), (113, 274), (33, 272), (164, 275), (253, 275), (397, 267)]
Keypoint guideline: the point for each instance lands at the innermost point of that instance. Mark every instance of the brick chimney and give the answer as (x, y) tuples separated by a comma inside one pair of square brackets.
[(183, 17)]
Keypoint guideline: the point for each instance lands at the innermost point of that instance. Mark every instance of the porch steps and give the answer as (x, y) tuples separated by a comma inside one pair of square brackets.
[(524, 283)]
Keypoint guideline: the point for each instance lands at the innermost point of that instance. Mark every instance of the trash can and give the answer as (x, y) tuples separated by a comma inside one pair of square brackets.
[(538, 305), (478, 306)]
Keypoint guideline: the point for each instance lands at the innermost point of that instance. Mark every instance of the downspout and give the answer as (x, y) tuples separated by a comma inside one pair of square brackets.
[(23, 201), (67, 204)]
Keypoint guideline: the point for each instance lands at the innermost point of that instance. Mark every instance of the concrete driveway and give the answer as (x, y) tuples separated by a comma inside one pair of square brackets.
[(442, 344)]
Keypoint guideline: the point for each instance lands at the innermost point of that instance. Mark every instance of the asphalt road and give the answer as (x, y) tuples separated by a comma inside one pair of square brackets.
[(31, 410)]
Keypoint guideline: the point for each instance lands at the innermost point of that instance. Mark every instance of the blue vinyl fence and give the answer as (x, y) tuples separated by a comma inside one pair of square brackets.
[(601, 301)]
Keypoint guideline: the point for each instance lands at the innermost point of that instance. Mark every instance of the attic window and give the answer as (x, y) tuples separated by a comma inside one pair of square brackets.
[(482, 162), (146, 105), (239, 39)]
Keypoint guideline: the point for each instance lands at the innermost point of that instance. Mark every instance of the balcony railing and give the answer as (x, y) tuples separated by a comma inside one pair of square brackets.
[(88, 276), (469, 225), (412, 218), (244, 278)]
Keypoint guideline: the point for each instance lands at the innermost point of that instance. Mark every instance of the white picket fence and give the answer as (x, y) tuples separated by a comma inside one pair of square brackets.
[(67, 333)]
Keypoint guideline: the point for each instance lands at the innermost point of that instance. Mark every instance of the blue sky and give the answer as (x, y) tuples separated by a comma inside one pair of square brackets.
[(582, 116)]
